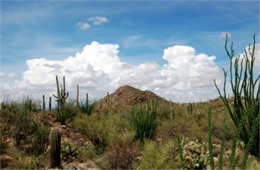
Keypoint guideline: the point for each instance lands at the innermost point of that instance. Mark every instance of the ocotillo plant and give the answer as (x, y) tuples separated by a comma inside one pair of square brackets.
[(87, 101), (108, 102), (50, 104), (43, 102), (245, 87), (77, 95), (62, 95), (55, 143), (190, 108), (30, 105)]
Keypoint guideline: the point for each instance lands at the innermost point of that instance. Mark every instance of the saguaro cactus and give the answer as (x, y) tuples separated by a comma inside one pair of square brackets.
[(190, 108), (50, 104), (62, 95), (108, 102), (43, 102), (55, 143), (87, 101), (77, 95)]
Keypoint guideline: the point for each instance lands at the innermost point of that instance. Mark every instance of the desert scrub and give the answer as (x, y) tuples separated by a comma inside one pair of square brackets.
[(3, 137), (121, 154), (100, 129), (68, 112), (156, 156), (195, 153), (20, 160), (87, 151), (68, 152), (87, 107), (40, 139), (143, 120)]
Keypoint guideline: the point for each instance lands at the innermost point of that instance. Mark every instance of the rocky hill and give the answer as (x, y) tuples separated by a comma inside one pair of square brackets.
[(129, 96)]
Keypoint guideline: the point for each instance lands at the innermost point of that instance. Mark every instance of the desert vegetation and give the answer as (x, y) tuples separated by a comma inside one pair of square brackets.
[(134, 129)]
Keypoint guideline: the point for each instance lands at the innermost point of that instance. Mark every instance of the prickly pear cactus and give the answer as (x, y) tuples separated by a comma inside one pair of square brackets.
[(55, 149), (195, 153)]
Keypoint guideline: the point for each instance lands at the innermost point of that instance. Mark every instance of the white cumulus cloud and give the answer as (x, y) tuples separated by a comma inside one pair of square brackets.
[(83, 25), (7, 75), (97, 20), (186, 76)]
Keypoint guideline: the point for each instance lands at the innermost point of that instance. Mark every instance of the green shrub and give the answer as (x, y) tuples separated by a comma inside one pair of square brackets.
[(143, 120), (24, 125), (40, 139), (156, 156), (246, 93), (195, 153), (67, 113), (121, 154), (68, 152), (183, 164), (99, 128), (87, 151), (87, 108), (3, 138)]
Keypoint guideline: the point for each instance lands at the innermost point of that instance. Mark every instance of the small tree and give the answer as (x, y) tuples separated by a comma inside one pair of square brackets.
[(246, 94)]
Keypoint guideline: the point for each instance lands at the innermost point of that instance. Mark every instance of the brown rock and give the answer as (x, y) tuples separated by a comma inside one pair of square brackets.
[(5, 161)]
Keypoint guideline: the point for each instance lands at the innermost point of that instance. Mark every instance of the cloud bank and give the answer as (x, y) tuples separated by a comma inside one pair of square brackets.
[(7, 75), (186, 77)]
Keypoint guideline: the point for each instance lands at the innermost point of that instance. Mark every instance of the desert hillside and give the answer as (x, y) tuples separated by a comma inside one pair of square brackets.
[(103, 134)]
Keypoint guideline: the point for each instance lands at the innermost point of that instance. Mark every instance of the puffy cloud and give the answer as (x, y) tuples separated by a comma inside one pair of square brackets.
[(186, 76), (223, 34), (83, 25), (257, 56), (97, 20), (7, 75)]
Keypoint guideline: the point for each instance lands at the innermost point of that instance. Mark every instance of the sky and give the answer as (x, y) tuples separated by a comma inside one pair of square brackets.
[(173, 48)]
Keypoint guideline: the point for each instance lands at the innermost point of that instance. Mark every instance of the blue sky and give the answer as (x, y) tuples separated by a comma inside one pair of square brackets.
[(142, 29)]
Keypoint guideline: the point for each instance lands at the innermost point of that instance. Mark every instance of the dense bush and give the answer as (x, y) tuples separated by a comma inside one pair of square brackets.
[(23, 125), (195, 153), (68, 152), (156, 156), (87, 108), (99, 128), (3, 138), (68, 112), (40, 139), (122, 153), (27, 132), (143, 120)]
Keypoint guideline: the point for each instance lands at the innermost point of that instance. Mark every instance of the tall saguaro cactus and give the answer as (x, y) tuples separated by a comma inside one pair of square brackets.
[(87, 101), (108, 102), (43, 102), (55, 149), (62, 95), (77, 95), (50, 104)]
